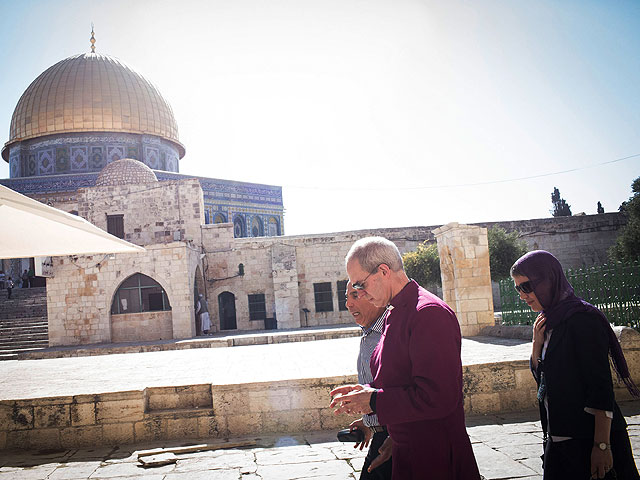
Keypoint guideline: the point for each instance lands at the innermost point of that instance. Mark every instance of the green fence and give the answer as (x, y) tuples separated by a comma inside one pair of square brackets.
[(613, 288)]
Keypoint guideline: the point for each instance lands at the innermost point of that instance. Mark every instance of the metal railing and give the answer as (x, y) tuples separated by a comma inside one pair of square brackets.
[(613, 288)]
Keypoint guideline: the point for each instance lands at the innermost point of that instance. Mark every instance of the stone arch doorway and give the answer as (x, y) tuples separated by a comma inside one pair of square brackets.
[(227, 309), (140, 311)]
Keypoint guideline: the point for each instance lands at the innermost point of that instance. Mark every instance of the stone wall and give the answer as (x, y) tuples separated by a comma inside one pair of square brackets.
[(153, 213), (80, 294), (220, 411), (286, 268), (145, 327)]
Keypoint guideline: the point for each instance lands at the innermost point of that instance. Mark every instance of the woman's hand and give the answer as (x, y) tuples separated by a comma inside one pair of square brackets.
[(539, 327), (601, 462), (359, 425)]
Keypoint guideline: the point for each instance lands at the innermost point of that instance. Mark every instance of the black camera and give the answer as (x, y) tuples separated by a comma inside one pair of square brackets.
[(348, 435)]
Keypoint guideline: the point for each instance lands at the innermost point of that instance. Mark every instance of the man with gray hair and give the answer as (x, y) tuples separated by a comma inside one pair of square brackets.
[(417, 372)]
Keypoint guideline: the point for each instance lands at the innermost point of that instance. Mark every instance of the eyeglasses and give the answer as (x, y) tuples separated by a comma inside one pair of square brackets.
[(361, 285), (524, 287)]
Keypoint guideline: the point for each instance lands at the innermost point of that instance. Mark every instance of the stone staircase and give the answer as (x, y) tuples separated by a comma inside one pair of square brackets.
[(23, 322)]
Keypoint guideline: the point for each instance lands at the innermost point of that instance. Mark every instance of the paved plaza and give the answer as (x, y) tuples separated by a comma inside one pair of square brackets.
[(506, 447), (220, 366)]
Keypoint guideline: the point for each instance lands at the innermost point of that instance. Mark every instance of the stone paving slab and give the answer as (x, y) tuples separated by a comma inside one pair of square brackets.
[(515, 454), (24, 379), (227, 338)]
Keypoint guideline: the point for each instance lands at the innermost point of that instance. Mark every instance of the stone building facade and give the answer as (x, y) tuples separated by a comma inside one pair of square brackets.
[(250, 283)]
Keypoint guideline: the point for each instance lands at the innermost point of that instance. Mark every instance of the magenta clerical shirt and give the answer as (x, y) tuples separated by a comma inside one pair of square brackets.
[(418, 373)]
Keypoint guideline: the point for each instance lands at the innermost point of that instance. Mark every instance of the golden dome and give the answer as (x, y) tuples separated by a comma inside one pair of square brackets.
[(91, 93)]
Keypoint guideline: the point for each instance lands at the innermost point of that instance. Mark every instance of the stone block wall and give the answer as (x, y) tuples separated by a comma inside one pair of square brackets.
[(320, 258), (80, 294), (146, 326), (219, 411), (170, 413), (161, 212)]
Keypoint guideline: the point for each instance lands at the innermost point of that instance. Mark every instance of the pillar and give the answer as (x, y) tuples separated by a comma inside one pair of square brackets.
[(466, 276), (285, 285)]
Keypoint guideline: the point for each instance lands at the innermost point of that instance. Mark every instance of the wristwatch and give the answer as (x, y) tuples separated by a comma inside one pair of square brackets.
[(602, 445)]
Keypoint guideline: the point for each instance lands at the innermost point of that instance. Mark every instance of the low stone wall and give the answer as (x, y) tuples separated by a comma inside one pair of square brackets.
[(171, 413), (141, 327), (220, 411)]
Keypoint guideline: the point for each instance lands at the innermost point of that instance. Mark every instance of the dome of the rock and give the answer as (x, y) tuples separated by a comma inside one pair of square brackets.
[(91, 93)]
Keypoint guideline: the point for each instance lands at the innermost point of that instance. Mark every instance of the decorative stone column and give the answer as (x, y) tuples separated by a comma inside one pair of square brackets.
[(285, 285), (465, 273)]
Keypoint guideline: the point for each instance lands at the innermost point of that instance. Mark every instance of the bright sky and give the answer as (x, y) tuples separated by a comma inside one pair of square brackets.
[(373, 113)]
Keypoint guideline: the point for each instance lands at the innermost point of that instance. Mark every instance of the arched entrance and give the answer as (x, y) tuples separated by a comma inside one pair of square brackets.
[(227, 309)]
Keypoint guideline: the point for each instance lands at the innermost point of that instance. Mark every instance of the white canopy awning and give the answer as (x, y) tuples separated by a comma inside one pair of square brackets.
[(29, 228)]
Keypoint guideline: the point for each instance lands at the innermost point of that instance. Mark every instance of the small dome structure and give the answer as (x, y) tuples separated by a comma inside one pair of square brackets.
[(125, 172)]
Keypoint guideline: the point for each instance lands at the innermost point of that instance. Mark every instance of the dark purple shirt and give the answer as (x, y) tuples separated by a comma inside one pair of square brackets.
[(418, 373)]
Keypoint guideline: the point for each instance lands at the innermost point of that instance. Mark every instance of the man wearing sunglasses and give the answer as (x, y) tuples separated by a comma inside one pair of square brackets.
[(417, 372), (371, 319)]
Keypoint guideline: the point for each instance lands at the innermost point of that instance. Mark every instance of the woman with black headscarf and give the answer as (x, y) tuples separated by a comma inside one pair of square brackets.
[(585, 432)]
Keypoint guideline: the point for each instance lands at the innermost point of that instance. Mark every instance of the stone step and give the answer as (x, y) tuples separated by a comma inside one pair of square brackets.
[(21, 339), (23, 342), (23, 313), (20, 332), (26, 337), (24, 322), (13, 354), (24, 303)]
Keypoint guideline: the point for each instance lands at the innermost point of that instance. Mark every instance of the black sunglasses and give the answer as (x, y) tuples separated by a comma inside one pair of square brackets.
[(361, 285), (524, 287)]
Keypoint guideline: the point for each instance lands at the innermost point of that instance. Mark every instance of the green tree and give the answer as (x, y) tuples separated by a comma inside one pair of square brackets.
[(627, 246), (504, 249), (560, 207), (423, 264)]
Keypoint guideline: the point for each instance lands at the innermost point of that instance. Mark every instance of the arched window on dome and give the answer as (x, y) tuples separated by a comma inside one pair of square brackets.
[(257, 230), (219, 218), (273, 229), (239, 229), (139, 293), (206, 216)]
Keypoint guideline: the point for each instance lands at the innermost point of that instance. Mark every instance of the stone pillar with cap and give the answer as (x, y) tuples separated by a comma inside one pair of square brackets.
[(466, 276)]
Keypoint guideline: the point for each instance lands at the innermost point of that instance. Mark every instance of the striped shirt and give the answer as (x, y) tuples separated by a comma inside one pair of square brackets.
[(368, 341)]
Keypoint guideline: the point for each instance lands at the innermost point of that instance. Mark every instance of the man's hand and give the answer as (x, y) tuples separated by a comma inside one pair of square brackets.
[(351, 399), (359, 425), (385, 454), (345, 389)]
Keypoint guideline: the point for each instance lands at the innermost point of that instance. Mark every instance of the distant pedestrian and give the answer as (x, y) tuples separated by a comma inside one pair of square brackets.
[(31, 275), (25, 279), (9, 287), (202, 309)]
